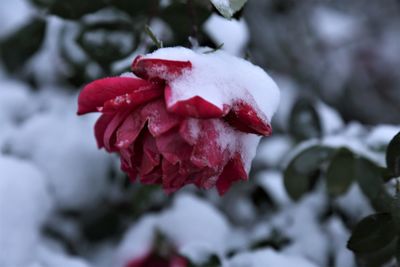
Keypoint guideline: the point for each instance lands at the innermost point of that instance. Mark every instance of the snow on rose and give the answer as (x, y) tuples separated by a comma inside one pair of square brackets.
[(184, 117)]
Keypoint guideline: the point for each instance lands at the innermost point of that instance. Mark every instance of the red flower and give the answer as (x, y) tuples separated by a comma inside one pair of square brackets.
[(170, 140), (154, 260)]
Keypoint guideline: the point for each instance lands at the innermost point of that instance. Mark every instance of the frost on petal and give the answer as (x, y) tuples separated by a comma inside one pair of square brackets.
[(129, 130), (233, 171), (96, 93), (159, 120), (208, 151), (159, 68), (173, 147), (110, 132), (134, 99)]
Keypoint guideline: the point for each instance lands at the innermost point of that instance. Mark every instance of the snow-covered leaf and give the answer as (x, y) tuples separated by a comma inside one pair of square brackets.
[(299, 174), (304, 120), (228, 8)]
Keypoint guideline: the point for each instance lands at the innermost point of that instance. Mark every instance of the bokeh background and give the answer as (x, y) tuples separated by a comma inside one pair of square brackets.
[(65, 203)]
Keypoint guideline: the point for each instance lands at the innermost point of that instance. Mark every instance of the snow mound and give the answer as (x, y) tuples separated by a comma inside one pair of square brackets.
[(221, 79), (24, 205), (268, 257)]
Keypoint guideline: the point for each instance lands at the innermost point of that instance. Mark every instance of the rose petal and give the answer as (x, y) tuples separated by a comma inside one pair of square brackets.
[(96, 93), (173, 148), (195, 107), (233, 171), (172, 179), (110, 132), (100, 128), (246, 119), (159, 120), (129, 130), (151, 155), (126, 163), (208, 152), (134, 99), (148, 68)]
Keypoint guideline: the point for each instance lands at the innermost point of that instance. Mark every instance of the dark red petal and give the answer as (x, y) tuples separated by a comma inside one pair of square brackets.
[(151, 155), (154, 177), (233, 171), (206, 178), (127, 164), (195, 107), (96, 93), (172, 179), (159, 120), (100, 128), (173, 148), (207, 152), (110, 132), (129, 129), (190, 130), (148, 68), (246, 119), (136, 98)]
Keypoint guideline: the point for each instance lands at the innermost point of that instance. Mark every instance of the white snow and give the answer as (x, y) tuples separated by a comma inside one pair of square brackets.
[(381, 135), (233, 34), (220, 79), (63, 147), (194, 222), (333, 26), (268, 257), (25, 203), (137, 241), (331, 120), (272, 182), (272, 150), (13, 14)]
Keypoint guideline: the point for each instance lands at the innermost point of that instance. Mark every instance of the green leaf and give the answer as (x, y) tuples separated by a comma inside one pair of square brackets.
[(178, 14), (300, 173), (304, 120), (341, 172), (74, 9), (395, 210), (106, 42), (213, 261), (393, 155), (228, 8), (17, 48), (136, 7), (369, 178), (372, 233)]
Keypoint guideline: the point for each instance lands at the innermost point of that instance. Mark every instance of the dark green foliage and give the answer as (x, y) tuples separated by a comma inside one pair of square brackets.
[(393, 156), (301, 171), (372, 233), (18, 47), (304, 120), (341, 172)]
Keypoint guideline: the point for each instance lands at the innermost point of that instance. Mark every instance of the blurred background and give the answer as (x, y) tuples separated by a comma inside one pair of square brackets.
[(65, 203)]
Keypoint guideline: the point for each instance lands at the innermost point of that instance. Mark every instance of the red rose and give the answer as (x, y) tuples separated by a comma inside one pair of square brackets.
[(181, 121), (154, 260)]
